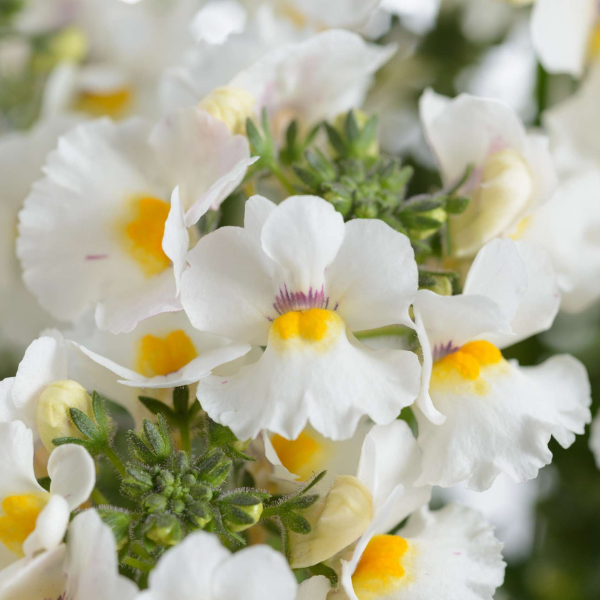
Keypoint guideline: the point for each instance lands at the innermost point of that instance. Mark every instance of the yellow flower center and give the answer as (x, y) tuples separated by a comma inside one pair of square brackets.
[(380, 571), (113, 104), (302, 456), (466, 364), (312, 325), (21, 513), (161, 356), (144, 234)]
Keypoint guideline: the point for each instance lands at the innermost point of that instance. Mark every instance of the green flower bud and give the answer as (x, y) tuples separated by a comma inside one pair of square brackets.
[(366, 211), (155, 503), (182, 462), (188, 480), (163, 529), (201, 492), (199, 515), (441, 285), (240, 518), (178, 506), (438, 214)]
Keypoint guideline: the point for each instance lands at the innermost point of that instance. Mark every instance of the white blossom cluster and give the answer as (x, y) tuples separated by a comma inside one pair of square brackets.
[(280, 326)]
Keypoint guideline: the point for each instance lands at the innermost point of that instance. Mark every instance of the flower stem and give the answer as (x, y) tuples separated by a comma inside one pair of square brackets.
[(280, 176), (98, 498), (184, 430), (115, 460)]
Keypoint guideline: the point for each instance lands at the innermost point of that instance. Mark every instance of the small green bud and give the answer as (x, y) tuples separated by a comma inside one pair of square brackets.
[(437, 214), (178, 506), (163, 529), (188, 480), (182, 462), (119, 522), (240, 518), (167, 477), (440, 284), (341, 204), (155, 503), (366, 211), (201, 492), (199, 515)]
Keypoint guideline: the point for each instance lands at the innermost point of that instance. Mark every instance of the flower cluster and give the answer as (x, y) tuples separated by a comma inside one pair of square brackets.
[(258, 346)]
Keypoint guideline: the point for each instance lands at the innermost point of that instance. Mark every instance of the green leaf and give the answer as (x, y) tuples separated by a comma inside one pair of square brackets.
[(100, 413), (309, 178), (295, 522), (351, 128), (89, 445), (86, 425), (156, 406), (138, 449), (302, 502), (335, 139), (256, 140), (457, 205), (321, 569)]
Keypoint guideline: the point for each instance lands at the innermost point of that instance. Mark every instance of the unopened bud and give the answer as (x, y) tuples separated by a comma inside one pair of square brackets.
[(199, 515), (438, 284), (232, 106), (438, 214), (119, 522), (241, 518), (337, 520), (155, 503), (53, 418), (69, 45), (163, 529)]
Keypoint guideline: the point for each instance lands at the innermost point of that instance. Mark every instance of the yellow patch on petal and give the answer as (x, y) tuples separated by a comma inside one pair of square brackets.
[(304, 455), (315, 328), (20, 516), (144, 234), (113, 104), (466, 364), (161, 356), (594, 44), (381, 570), (521, 228)]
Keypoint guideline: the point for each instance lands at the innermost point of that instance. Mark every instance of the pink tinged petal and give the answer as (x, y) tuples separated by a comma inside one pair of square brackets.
[(303, 236), (72, 473), (226, 290), (255, 573), (374, 277), (50, 527), (572, 23)]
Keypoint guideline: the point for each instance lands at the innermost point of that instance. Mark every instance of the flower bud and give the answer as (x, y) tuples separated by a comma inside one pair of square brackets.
[(119, 522), (163, 529), (53, 418), (441, 285), (199, 515), (70, 44), (155, 503), (439, 214), (500, 201), (231, 105), (243, 517), (337, 521)]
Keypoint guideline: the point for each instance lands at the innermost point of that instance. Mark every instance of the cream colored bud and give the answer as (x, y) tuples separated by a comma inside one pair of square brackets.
[(70, 44), (500, 201), (231, 105), (337, 520), (52, 416)]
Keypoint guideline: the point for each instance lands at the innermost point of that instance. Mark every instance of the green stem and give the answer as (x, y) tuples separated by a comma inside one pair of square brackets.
[(137, 564), (115, 460), (184, 430), (278, 173), (390, 330), (98, 498)]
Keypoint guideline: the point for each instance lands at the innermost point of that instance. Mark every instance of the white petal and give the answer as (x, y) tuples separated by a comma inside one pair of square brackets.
[(499, 273), (186, 571), (450, 549), (258, 209), (92, 566), (72, 473), (374, 276), (381, 475), (176, 240), (256, 573), (31, 578), (45, 361), (314, 588), (572, 23), (338, 13), (332, 390), (195, 370), (502, 422), (16, 460), (203, 158), (226, 290), (216, 21), (50, 527), (568, 228), (303, 235)]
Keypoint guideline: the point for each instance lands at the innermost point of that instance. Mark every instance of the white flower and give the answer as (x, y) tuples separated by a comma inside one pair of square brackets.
[(34, 520), (512, 171), (200, 567), (164, 351), (84, 569), (92, 232), (449, 551), (379, 498), (299, 281), (575, 23), (21, 158), (480, 415)]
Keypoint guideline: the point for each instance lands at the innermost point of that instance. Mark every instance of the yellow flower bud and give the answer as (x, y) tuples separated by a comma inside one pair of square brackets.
[(231, 105), (52, 416), (70, 44), (500, 201), (337, 520)]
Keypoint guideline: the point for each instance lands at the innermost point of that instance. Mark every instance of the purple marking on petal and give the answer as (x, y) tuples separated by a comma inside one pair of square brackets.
[(457, 553), (96, 256), (222, 382)]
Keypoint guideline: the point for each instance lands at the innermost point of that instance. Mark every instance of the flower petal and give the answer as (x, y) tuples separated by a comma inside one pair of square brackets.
[(216, 21), (16, 460), (374, 276), (314, 588), (176, 240), (72, 473), (50, 527)]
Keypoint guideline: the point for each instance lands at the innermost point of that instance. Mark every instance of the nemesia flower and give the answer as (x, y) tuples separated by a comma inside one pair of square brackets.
[(35, 520), (383, 492), (299, 281), (202, 565), (21, 158), (92, 232), (164, 351), (449, 549), (478, 414), (83, 569), (512, 171), (575, 23)]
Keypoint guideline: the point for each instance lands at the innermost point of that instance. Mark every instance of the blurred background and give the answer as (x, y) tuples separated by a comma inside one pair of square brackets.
[(551, 526)]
